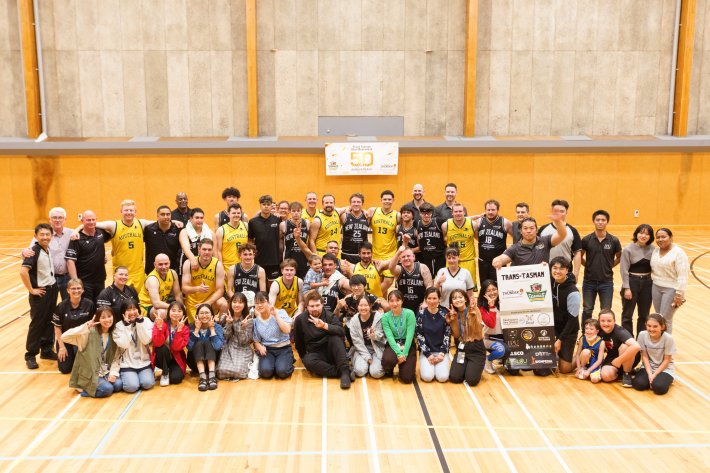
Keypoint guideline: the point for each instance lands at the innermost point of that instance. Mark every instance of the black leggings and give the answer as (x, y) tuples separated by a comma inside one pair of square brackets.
[(472, 367), (165, 361), (661, 383)]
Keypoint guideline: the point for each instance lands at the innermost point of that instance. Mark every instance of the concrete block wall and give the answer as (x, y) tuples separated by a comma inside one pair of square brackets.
[(360, 58), (12, 90), (144, 68), (699, 113), (571, 67)]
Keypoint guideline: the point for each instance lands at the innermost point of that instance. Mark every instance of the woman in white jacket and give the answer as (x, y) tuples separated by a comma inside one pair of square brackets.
[(368, 340), (134, 336)]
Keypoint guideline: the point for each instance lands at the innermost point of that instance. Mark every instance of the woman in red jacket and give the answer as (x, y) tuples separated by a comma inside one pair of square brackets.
[(169, 341)]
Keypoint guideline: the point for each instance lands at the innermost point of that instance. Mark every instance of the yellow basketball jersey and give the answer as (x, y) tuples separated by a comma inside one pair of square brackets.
[(232, 239), (384, 237), (464, 236), (329, 230), (287, 298), (371, 276), (127, 249), (208, 275), (306, 216), (165, 288)]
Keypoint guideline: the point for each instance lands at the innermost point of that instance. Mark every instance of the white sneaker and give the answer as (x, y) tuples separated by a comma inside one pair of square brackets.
[(489, 367), (165, 380)]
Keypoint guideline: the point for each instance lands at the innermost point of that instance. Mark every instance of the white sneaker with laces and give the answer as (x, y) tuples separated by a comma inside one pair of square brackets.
[(164, 380)]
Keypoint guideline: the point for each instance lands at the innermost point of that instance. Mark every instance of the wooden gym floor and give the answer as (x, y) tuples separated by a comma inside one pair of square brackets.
[(308, 424)]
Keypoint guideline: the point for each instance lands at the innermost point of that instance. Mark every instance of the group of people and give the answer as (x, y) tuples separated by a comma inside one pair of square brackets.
[(356, 291)]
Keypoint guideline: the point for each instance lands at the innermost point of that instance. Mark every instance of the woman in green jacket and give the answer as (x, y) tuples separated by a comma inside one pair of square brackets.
[(96, 368), (398, 325)]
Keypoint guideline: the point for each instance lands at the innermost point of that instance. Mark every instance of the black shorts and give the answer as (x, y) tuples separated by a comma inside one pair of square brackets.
[(566, 352), (272, 272), (352, 259)]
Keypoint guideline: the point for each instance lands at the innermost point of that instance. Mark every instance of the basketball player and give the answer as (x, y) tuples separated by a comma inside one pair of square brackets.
[(459, 230), (285, 292), (230, 237), (310, 211), (246, 276), (355, 228), (230, 195), (287, 233), (413, 278), (571, 246), (195, 230), (376, 283), (204, 285), (431, 240), (325, 226), (491, 231), (159, 289)]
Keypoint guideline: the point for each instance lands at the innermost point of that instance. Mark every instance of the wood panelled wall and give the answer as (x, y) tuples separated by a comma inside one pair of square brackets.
[(699, 113), (666, 188), (12, 98)]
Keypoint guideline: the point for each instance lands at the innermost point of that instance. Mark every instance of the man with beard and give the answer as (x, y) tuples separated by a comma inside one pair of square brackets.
[(204, 285), (325, 226), (355, 228), (318, 336), (159, 289), (182, 211), (413, 278), (372, 271), (162, 237), (491, 231), (337, 287)]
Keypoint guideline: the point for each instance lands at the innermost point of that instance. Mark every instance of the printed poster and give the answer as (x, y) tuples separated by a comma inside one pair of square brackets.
[(357, 159)]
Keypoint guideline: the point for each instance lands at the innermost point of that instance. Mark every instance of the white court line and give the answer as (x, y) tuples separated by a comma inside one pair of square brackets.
[(693, 388), (491, 430), (12, 289), (10, 265), (16, 258), (24, 296), (324, 429), (374, 456), (532, 420), (42, 435)]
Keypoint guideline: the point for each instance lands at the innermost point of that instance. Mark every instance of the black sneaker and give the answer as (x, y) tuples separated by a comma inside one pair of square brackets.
[(31, 363), (352, 375), (627, 380), (542, 372), (48, 355), (202, 386), (212, 384), (345, 380)]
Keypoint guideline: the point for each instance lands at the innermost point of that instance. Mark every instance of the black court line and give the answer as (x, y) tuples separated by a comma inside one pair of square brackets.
[(432, 430), (14, 320), (693, 272)]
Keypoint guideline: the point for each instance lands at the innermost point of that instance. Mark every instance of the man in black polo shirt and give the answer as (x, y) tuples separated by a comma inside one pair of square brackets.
[(37, 274), (162, 236), (445, 211), (264, 233), (86, 256), (601, 251), (532, 249), (182, 211), (571, 246)]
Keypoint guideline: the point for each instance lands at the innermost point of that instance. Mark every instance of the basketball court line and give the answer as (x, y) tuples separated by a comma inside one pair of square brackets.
[(13, 289), (107, 436), (43, 434), (431, 428), (354, 425), (532, 420), (162, 455), (324, 429), (375, 457), (496, 439), (693, 388)]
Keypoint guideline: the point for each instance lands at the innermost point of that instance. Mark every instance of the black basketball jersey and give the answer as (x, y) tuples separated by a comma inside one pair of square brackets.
[(355, 231), (291, 248), (491, 238), (411, 231), (431, 240), (223, 218), (246, 280), (331, 297), (412, 287)]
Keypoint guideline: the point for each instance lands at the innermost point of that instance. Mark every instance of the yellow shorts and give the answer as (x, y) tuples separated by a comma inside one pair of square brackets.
[(472, 267)]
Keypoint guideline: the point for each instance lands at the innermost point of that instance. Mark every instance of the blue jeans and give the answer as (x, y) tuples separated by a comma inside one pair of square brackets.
[(278, 361), (134, 379), (590, 289), (105, 388)]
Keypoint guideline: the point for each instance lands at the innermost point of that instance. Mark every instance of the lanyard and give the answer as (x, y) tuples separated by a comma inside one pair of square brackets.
[(105, 347), (463, 327), (398, 323)]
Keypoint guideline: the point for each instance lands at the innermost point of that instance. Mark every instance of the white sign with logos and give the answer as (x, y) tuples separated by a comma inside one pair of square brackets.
[(526, 316), (357, 159)]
